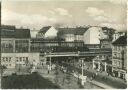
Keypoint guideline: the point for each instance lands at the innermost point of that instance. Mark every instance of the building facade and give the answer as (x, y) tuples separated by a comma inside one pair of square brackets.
[(15, 47), (72, 34), (119, 57), (92, 35), (105, 43)]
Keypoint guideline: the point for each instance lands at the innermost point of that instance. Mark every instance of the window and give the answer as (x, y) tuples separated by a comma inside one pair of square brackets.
[(115, 55), (6, 59), (22, 45), (115, 47), (20, 59), (26, 58), (6, 65)]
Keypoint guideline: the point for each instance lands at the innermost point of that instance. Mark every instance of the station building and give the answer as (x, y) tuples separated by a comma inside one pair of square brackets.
[(15, 47)]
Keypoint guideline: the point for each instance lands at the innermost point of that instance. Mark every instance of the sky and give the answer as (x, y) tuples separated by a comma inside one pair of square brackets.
[(36, 14)]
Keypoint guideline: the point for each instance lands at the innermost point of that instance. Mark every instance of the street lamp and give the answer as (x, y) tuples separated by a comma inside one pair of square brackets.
[(83, 78), (82, 61), (50, 60)]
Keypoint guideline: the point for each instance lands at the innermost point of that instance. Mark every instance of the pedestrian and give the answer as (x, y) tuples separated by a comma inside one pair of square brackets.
[(91, 78), (108, 74), (63, 79), (48, 71), (96, 73)]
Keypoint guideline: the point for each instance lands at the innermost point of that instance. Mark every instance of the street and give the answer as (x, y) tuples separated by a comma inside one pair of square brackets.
[(32, 81)]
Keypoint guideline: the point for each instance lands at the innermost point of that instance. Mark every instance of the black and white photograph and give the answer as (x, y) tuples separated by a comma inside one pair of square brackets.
[(63, 44)]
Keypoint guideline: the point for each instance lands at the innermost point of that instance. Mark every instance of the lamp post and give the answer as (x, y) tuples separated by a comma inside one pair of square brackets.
[(82, 68), (50, 61), (50, 67), (83, 78)]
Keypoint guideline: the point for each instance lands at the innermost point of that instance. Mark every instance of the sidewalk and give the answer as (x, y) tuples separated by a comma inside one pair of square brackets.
[(102, 78), (108, 81), (101, 85), (71, 83)]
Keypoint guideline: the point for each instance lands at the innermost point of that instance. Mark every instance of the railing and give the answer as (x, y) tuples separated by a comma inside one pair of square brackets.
[(77, 54)]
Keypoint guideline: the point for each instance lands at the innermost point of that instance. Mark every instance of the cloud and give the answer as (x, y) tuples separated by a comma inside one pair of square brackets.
[(92, 11), (101, 18), (121, 2), (63, 12), (51, 12), (118, 27), (99, 15), (35, 20), (104, 19)]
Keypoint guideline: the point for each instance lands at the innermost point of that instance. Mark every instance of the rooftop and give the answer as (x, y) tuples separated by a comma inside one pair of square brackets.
[(8, 31), (75, 31), (44, 29), (122, 40)]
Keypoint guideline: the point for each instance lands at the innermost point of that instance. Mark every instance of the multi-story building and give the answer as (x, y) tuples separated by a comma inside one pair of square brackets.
[(119, 57), (104, 62), (105, 43), (92, 35), (44, 45), (15, 47), (72, 34)]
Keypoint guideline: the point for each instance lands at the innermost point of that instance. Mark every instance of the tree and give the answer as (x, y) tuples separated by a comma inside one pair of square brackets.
[(56, 74), (2, 69)]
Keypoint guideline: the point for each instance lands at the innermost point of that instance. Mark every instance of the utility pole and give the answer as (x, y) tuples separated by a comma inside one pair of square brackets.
[(50, 62), (82, 68), (83, 78)]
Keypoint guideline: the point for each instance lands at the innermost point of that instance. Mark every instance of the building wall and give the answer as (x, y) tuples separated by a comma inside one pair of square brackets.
[(125, 58), (92, 35), (86, 38), (79, 37), (22, 45), (7, 45), (105, 43), (39, 35), (11, 60), (12, 45), (103, 34), (69, 37), (117, 57)]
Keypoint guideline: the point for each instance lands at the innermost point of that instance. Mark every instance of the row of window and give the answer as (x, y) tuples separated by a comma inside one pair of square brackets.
[(18, 59), (117, 55), (20, 46), (117, 48), (7, 65), (117, 63), (21, 64), (6, 59), (21, 59)]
